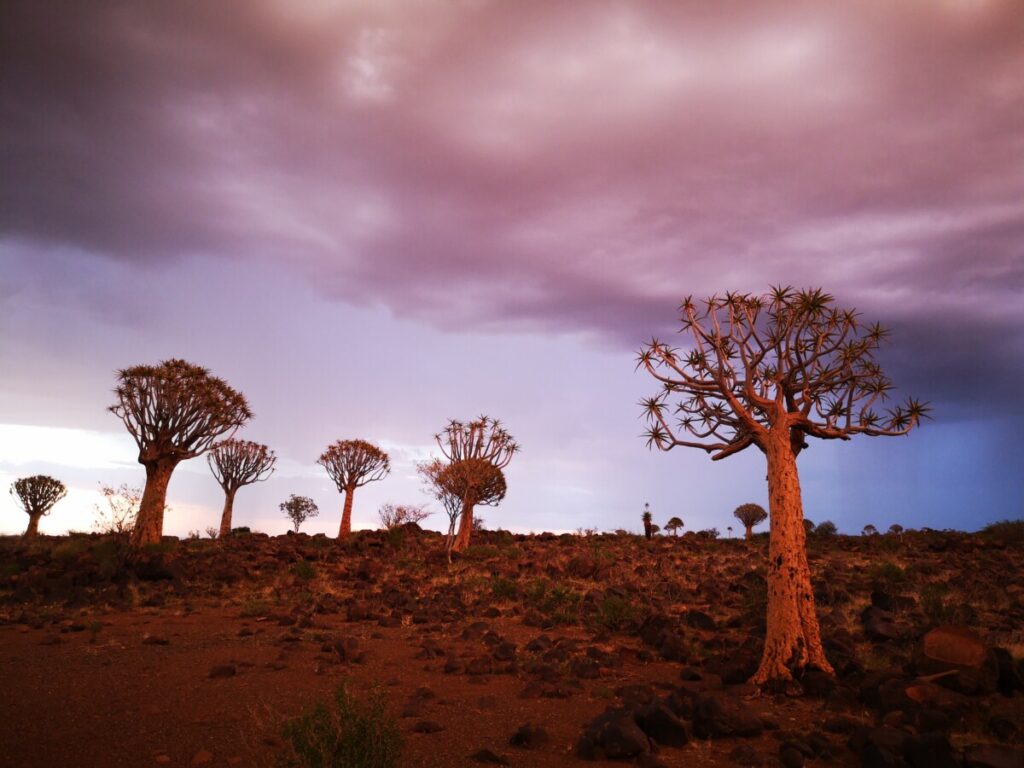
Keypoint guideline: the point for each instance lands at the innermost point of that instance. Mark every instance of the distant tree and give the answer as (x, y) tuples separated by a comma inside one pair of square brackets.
[(729, 529), (396, 515), (772, 371), (708, 533), (117, 517), (647, 518), (674, 524), (808, 527), (236, 463), (869, 530), (352, 464), (827, 528), (467, 482), (896, 529), (481, 440), (750, 515), (175, 411), (299, 509), (36, 495)]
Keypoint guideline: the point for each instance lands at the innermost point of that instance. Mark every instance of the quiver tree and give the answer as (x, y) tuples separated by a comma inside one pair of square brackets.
[(36, 495), (481, 440), (175, 411), (351, 464), (462, 485), (772, 371), (674, 524), (299, 509), (750, 515), (648, 520), (235, 463)]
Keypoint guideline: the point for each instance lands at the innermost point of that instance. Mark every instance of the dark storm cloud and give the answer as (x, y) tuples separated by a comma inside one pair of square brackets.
[(572, 167)]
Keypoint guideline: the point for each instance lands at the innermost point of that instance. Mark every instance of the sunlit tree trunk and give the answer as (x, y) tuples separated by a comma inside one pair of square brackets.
[(149, 525), (346, 514), (225, 518), (750, 530), (33, 526), (465, 528), (793, 639)]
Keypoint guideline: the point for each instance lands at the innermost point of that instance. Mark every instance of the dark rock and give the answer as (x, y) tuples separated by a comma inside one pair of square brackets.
[(221, 671), (929, 750), (993, 756), (1010, 678), (488, 757), (879, 625), (873, 756), (148, 639), (647, 760), (719, 714), (746, 756), (791, 757), (698, 620), (952, 646), (504, 651), (614, 734), (529, 736), (427, 726), (658, 722)]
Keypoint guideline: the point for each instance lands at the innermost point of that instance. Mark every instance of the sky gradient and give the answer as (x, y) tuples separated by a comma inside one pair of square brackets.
[(373, 217)]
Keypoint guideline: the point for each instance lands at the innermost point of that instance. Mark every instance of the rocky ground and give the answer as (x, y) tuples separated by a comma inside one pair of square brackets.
[(530, 651)]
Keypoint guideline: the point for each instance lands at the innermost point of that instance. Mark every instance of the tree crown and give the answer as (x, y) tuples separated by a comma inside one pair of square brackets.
[(299, 509), (483, 438), (353, 463), (37, 494), (469, 481), (175, 410), (750, 514), (235, 463), (790, 359)]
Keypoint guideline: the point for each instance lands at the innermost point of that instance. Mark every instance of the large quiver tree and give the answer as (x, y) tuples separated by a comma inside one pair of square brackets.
[(772, 371), (481, 440), (462, 485), (351, 464), (236, 463), (175, 411), (750, 515), (37, 495)]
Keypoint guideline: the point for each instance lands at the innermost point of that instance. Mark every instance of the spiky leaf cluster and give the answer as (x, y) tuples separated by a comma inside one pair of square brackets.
[(790, 359), (235, 463), (176, 410), (353, 463), (483, 438), (37, 494), (750, 514)]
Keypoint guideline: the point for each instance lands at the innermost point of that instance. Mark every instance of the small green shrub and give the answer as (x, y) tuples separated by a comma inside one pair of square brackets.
[(395, 537), (1006, 531), (887, 574), (69, 550), (614, 613), (352, 734), (503, 589), (241, 530), (303, 570), (253, 607)]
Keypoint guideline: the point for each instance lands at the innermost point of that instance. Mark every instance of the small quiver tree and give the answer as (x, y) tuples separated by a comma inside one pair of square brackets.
[(36, 495), (351, 464), (481, 440), (236, 463), (648, 520), (772, 371), (750, 515), (462, 484), (299, 509), (175, 411), (674, 524)]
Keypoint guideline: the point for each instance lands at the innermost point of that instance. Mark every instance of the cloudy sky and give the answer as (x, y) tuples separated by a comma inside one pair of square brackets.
[(371, 217)]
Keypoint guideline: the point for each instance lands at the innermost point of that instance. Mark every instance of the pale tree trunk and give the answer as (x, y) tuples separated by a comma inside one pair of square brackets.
[(465, 528), (225, 518), (750, 530), (149, 525), (793, 639), (346, 514), (33, 526)]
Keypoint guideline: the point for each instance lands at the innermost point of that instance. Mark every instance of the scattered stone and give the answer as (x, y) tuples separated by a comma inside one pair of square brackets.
[(529, 736), (222, 670), (746, 756), (488, 757), (791, 757), (719, 714), (202, 757), (148, 639), (427, 726), (659, 723)]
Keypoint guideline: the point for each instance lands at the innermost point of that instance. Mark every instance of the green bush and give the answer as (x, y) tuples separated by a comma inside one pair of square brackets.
[(303, 570), (352, 734), (614, 613), (887, 574), (1006, 531), (503, 589)]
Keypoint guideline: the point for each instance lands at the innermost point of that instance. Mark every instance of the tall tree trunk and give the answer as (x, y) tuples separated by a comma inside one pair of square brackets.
[(750, 530), (793, 639), (149, 525), (465, 528), (33, 526), (346, 514), (225, 518)]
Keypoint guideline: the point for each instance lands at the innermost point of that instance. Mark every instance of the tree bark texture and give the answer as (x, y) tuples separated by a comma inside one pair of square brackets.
[(149, 525), (793, 639), (465, 529), (33, 526), (750, 532), (225, 518), (346, 515)]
